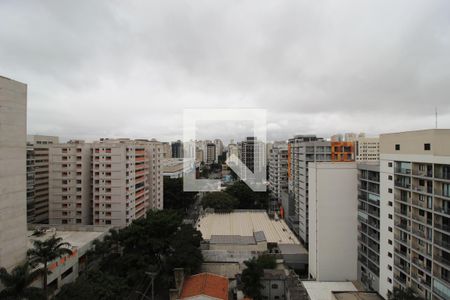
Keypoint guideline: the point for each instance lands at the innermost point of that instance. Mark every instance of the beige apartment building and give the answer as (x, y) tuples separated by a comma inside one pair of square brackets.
[(70, 180), (13, 214), (37, 177), (367, 149), (127, 180)]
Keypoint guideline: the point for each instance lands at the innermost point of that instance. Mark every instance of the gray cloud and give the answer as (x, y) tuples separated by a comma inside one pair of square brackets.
[(116, 68)]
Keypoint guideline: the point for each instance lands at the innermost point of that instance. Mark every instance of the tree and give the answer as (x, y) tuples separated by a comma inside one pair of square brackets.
[(267, 261), (404, 294), (46, 251), (17, 283), (220, 201), (251, 278), (247, 198), (174, 196)]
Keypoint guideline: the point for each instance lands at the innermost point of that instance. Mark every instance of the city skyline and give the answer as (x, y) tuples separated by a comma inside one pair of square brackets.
[(107, 69)]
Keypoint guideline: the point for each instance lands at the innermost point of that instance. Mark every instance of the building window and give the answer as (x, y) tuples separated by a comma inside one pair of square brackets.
[(390, 242), (390, 177), (390, 254), (390, 216), (390, 191), (389, 267), (67, 273), (390, 164), (389, 280), (274, 286), (390, 203), (427, 147), (390, 229), (397, 147)]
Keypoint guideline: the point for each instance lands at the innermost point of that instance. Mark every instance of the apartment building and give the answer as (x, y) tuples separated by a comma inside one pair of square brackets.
[(167, 150), (232, 150), (177, 149), (333, 224), (369, 224), (302, 150), (367, 149), (127, 180), (211, 155), (278, 170), (37, 177), (415, 212), (70, 183), (13, 116), (219, 148), (252, 154)]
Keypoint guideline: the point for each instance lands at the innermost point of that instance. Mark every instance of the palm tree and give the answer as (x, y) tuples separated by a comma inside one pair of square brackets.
[(47, 251), (17, 283)]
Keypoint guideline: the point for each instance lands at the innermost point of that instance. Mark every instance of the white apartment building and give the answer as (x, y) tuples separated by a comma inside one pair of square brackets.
[(367, 149), (415, 212), (37, 177), (332, 221), (127, 180), (219, 148), (70, 181), (232, 150), (13, 213), (278, 161)]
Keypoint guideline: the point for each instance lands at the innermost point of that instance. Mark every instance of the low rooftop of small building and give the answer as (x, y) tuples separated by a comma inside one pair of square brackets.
[(319, 290), (357, 296), (246, 223), (205, 284), (76, 236)]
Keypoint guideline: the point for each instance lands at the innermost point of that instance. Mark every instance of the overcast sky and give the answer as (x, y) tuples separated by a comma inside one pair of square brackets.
[(128, 68)]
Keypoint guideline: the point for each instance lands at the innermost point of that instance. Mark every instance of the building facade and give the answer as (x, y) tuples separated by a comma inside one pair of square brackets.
[(278, 170), (367, 149), (177, 149), (127, 180), (369, 225), (38, 177), (415, 212), (302, 150), (211, 153), (13, 211), (332, 221), (70, 183)]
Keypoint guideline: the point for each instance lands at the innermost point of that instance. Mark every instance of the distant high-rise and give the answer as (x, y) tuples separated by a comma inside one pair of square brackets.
[(177, 149), (37, 177), (367, 149), (167, 150), (211, 153), (278, 162), (252, 154), (13, 211)]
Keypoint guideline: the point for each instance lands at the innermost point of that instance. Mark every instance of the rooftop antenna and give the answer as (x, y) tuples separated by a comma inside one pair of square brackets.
[(436, 116)]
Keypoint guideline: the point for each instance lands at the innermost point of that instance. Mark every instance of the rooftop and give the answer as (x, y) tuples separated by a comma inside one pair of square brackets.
[(246, 223), (205, 284), (356, 296), (318, 290), (76, 238)]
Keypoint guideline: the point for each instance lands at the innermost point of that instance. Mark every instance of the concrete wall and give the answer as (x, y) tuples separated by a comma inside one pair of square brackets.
[(333, 221), (13, 214)]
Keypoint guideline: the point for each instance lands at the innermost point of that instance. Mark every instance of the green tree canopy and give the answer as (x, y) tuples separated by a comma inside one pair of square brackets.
[(404, 294), (17, 283), (174, 196), (251, 278), (247, 198), (220, 201)]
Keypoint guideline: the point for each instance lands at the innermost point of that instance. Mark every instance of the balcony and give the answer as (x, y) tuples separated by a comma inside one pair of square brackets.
[(403, 226), (402, 254), (401, 184), (421, 264), (442, 260), (406, 171)]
